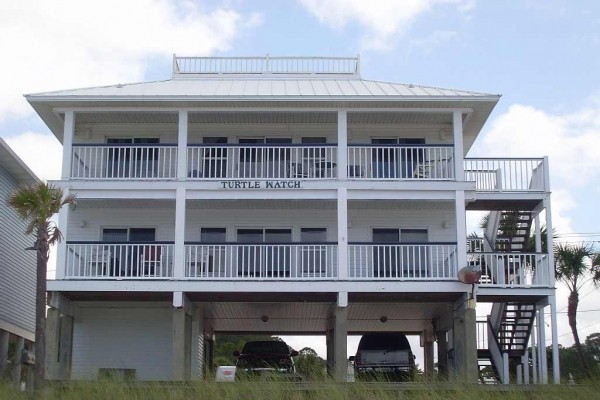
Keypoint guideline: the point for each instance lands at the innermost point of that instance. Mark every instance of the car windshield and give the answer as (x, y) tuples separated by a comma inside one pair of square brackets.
[(384, 342), (266, 347)]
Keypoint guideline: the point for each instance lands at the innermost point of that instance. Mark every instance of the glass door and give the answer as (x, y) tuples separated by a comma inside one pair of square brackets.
[(212, 257), (314, 253), (386, 252), (250, 257), (410, 156), (415, 257), (215, 158), (278, 252), (385, 158)]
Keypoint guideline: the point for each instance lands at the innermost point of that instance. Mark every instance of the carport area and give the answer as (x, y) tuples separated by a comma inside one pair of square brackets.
[(438, 324)]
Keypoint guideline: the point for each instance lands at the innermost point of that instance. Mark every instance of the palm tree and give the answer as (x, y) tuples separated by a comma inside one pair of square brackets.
[(570, 264), (36, 204)]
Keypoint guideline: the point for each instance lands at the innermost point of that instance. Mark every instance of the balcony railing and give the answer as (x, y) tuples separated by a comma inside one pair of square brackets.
[(124, 161), (261, 261), (423, 162), (512, 269), (402, 261), (514, 174), (262, 161), (101, 260)]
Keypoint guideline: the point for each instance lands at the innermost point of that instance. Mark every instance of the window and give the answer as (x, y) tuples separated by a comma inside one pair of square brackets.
[(215, 157), (400, 252), (393, 161), (212, 256)]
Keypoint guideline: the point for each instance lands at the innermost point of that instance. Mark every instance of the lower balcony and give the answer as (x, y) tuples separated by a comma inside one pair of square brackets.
[(300, 261)]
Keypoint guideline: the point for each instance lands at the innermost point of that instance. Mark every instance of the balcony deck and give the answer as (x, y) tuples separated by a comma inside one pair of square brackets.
[(205, 162), (422, 262)]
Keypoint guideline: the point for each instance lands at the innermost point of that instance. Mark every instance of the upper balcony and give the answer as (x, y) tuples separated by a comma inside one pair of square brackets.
[(295, 162)]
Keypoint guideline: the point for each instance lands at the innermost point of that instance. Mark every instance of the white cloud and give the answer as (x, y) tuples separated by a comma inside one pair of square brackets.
[(571, 141), (50, 45), (382, 20), (436, 39), (41, 152)]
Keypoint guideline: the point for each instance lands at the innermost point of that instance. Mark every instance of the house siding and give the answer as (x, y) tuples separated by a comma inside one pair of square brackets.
[(123, 336), (17, 266)]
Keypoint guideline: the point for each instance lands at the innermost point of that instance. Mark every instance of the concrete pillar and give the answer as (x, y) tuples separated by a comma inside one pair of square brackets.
[(181, 339), (65, 343), (525, 362), (19, 346), (197, 349), (4, 338), (209, 354), (330, 352), (442, 347), (340, 344), (465, 342), (52, 343), (428, 358)]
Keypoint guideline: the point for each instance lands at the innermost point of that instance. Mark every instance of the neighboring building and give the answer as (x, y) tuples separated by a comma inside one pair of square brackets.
[(17, 266), (289, 196)]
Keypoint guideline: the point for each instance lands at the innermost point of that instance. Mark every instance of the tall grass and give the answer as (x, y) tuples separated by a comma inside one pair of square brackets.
[(266, 390)]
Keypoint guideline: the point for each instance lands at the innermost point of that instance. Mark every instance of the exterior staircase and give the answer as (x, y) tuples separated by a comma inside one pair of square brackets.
[(509, 324)]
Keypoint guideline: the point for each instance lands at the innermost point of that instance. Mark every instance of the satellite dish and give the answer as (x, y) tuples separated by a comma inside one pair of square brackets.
[(469, 275)]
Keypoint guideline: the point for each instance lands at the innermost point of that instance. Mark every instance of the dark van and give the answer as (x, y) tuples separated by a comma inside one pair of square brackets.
[(384, 354)]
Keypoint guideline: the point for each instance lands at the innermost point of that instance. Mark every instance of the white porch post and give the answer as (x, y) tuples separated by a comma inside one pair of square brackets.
[(179, 256), (342, 221), (182, 145), (549, 242), (457, 125), (542, 347), (461, 229), (342, 145), (68, 132), (534, 353), (555, 352)]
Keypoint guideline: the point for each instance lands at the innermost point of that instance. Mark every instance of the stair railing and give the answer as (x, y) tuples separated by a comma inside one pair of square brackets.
[(498, 356)]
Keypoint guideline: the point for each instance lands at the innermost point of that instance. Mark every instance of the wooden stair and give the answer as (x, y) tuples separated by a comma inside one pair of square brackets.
[(515, 327), (513, 231)]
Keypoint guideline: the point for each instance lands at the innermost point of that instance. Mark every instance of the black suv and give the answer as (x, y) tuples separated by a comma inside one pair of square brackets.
[(382, 355), (266, 357)]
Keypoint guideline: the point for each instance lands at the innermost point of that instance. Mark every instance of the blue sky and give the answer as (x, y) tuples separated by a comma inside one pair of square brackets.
[(542, 56)]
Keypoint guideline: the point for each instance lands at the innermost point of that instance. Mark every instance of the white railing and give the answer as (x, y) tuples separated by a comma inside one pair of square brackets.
[(511, 269), (265, 65), (400, 162), (497, 175), (402, 261), (119, 261), (261, 261), (482, 334), (124, 162), (475, 245), (262, 162)]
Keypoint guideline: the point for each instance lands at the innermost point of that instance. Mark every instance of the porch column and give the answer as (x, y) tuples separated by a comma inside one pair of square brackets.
[(534, 352), (342, 143), (181, 338), (549, 241), (61, 249), (329, 340), (209, 352), (555, 352), (340, 343), (68, 132), (342, 225), (442, 350), (182, 134), (465, 341), (457, 125), (461, 229), (4, 338), (179, 253)]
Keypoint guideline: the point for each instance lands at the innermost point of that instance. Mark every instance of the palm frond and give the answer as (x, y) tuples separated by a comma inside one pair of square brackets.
[(570, 261)]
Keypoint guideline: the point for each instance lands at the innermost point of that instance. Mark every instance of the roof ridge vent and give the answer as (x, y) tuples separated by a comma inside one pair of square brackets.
[(308, 67)]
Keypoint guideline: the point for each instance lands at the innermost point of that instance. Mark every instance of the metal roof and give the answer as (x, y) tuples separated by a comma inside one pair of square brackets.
[(261, 88), (15, 166)]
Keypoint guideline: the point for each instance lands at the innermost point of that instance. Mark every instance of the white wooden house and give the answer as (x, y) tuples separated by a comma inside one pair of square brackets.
[(17, 268), (289, 196)]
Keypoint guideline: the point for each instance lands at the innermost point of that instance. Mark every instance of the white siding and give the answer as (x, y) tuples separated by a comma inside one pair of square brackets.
[(132, 338), (17, 266)]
